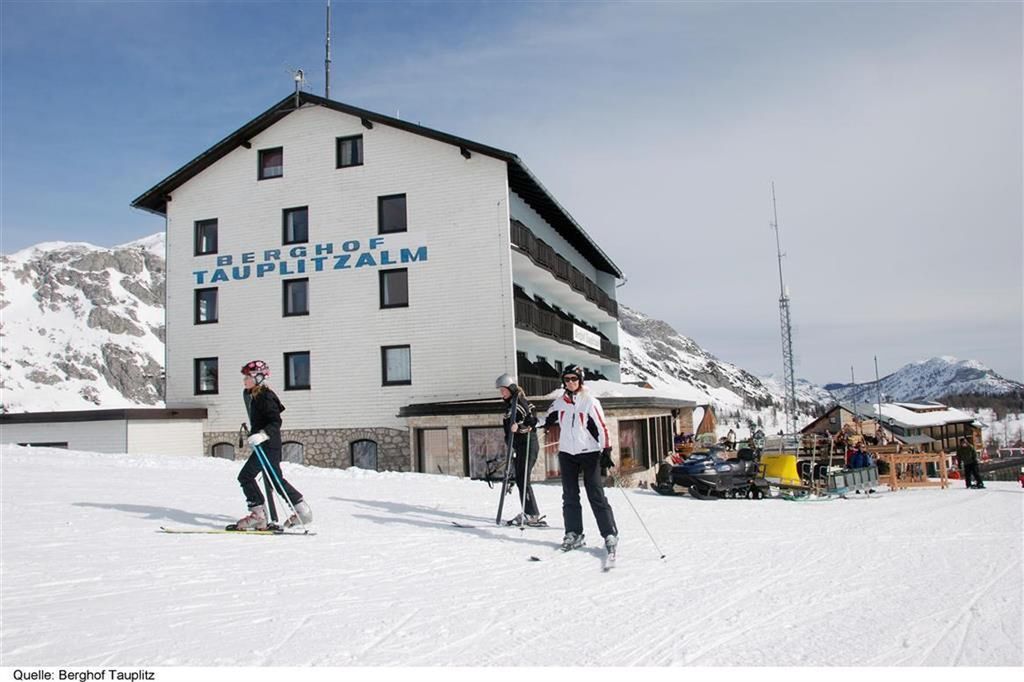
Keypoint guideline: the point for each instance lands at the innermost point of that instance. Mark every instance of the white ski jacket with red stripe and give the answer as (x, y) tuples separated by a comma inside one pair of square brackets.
[(581, 422)]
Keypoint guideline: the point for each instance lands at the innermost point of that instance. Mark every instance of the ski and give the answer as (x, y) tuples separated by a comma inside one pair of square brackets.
[(609, 561), (226, 531), (560, 552)]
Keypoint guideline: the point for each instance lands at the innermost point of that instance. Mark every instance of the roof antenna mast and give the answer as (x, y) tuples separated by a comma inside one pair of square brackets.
[(789, 377), (327, 59), (300, 78)]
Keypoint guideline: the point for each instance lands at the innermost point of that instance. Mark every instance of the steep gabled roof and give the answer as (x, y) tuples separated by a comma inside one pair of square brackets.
[(520, 179)]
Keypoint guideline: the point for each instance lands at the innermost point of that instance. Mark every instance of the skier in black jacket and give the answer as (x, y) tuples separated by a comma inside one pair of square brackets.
[(264, 409), (519, 423)]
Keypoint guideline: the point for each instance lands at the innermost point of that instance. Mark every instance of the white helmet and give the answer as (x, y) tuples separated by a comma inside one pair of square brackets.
[(505, 381)]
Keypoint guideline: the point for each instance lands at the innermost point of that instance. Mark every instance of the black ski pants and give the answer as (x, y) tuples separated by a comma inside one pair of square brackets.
[(588, 464), (251, 469), (525, 454), (972, 469)]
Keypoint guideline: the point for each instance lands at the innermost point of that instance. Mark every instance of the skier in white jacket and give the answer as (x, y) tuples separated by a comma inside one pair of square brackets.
[(583, 447)]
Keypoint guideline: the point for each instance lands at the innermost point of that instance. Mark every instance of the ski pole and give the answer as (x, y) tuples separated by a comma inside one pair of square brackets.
[(265, 463), (526, 479), (508, 464), (623, 491)]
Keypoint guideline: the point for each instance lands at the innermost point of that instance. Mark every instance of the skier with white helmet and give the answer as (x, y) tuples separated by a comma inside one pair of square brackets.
[(584, 446), (264, 409), (519, 423)]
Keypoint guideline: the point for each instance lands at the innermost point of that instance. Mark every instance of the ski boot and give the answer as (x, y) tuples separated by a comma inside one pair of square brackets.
[(255, 520), (532, 520), (572, 541), (536, 521), (611, 544), (303, 513)]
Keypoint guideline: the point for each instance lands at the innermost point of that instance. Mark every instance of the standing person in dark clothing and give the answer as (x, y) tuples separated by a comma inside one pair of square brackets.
[(264, 410), (968, 457), (583, 448), (519, 423)]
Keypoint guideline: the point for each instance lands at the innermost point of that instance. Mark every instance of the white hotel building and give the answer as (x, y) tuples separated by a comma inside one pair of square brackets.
[(388, 273)]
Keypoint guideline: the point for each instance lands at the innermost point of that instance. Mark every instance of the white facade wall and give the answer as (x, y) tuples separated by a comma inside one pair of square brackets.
[(459, 322), (99, 436), (165, 437)]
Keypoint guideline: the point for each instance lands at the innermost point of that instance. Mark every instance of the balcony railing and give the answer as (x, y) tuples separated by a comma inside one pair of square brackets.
[(534, 384), (541, 253), (532, 317)]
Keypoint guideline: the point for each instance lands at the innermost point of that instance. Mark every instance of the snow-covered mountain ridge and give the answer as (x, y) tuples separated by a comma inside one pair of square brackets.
[(938, 379), (81, 326)]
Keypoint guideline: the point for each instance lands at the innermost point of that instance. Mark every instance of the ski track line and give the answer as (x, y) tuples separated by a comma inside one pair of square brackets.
[(770, 579), (964, 617), (266, 655), (388, 632), (472, 638)]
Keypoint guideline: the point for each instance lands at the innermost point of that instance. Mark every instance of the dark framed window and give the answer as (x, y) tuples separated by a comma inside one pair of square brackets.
[(223, 450), (394, 288), (364, 454), (206, 306), (293, 451), (206, 237), (296, 296), (271, 163), (349, 151), (396, 365), (391, 214), (205, 376), (481, 447), (432, 451), (296, 371), (295, 225)]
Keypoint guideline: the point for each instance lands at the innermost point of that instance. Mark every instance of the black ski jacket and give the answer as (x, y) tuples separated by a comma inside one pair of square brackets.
[(265, 410), (522, 414)]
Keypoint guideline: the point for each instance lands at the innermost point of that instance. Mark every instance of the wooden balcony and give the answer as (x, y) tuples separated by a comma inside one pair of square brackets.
[(546, 257), (532, 317)]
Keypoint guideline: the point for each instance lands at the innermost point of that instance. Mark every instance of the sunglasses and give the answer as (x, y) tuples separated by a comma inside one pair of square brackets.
[(571, 378)]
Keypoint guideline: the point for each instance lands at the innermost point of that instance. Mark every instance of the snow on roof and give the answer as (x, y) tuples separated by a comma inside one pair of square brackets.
[(611, 389), (900, 413)]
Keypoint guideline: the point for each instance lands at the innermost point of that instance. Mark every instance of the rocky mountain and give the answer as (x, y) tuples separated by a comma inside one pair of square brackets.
[(82, 327), (655, 353), (944, 379)]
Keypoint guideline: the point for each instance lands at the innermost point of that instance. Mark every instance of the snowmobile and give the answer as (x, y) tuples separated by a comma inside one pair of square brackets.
[(706, 476)]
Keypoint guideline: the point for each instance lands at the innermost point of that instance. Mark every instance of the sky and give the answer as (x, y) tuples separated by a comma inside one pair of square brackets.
[(892, 133)]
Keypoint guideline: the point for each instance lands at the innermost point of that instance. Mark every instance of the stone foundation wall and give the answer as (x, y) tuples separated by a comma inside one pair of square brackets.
[(331, 447)]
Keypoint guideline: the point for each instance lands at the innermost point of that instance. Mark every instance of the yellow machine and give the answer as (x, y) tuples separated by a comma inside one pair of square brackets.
[(780, 469)]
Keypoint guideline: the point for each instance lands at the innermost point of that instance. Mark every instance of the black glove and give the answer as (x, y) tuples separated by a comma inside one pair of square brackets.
[(606, 459)]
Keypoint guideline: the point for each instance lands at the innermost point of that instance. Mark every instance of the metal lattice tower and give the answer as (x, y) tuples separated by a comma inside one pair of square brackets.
[(789, 376)]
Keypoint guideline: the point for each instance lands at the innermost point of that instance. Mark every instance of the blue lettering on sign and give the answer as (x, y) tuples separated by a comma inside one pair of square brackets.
[(296, 259), (410, 257)]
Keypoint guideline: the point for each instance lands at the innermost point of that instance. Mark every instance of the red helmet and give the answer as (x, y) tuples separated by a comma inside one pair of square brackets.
[(257, 369)]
